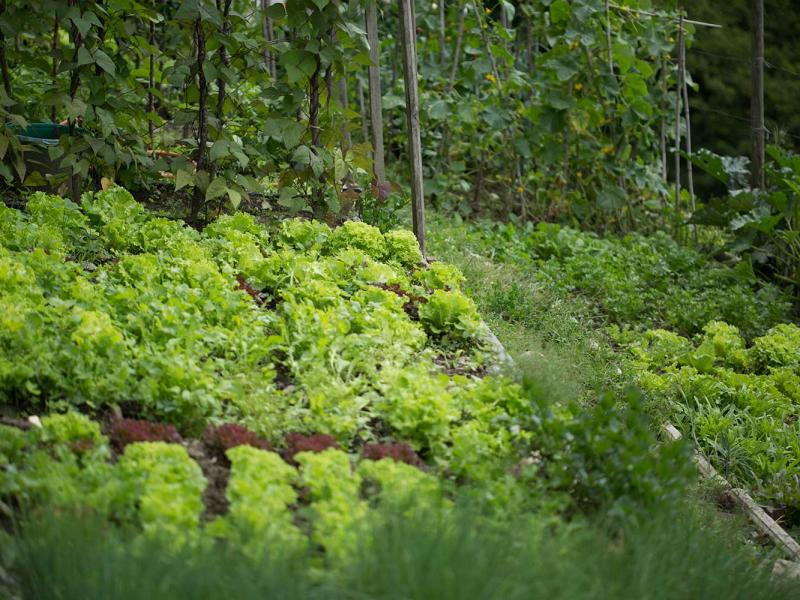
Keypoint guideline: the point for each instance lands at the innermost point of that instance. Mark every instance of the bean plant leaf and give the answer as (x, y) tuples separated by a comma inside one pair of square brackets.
[(299, 64)]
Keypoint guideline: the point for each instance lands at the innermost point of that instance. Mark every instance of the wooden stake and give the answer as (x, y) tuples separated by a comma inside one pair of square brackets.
[(757, 95), (347, 142), (269, 36), (608, 41), (362, 108), (685, 91), (678, 84), (408, 34), (151, 82), (457, 52), (442, 31), (375, 111)]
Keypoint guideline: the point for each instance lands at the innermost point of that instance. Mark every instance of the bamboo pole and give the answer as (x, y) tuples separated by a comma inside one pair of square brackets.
[(442, 31), (375, 110), (408, 34), (54, 70)]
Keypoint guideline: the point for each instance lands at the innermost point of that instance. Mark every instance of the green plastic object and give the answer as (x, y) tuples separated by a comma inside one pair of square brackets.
[(46, 134), (37, 158)]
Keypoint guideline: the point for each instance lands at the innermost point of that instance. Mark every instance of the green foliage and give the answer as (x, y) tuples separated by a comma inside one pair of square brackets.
[(336, 511), (402, 248), (672, 552), (360, 236), (70, 428), (440, 276), (608, 456), (639, 281), (761, 223), (739, 403), (163, 486), (259, 492), (450, 315), (401, 486), (302, 234), (419, 407), (586, 150), (780, 347)]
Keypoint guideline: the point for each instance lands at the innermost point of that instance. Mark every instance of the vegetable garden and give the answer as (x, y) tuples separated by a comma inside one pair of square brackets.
[(229, 367)]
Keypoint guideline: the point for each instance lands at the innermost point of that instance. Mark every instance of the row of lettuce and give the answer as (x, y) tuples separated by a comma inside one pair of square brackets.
[(107, 306), (713, 350), (342, 339), (157, 485), (637, 280), (739, 403)]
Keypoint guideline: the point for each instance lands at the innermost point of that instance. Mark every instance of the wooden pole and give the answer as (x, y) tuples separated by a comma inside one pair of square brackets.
[(375, 111), (151, 83), (409, 34), (686, 116), (757, 95), (678, 84), (362, 107), (269, 36), (608, 41), (347, 141), (442, 31), (457, 52)]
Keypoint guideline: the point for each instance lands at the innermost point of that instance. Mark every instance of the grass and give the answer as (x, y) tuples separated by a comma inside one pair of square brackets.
[(559, 340), (422, 556), (554, 337)]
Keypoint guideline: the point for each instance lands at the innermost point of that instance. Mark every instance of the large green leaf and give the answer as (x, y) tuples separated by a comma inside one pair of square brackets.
[(299, 64)]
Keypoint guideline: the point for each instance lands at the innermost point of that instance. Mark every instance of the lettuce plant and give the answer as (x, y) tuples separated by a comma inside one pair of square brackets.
[(222, 438), (335, 509), (360, 236), (163, 487), (780, 347), (450, 315), (122, 432), (440, 276), (402, 248), (260, 491)]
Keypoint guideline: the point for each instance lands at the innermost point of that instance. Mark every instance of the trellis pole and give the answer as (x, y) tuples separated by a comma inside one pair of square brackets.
[(375, 114), (347, 141), (685, 91), (678, 85), (757, 94), (408, 33)]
